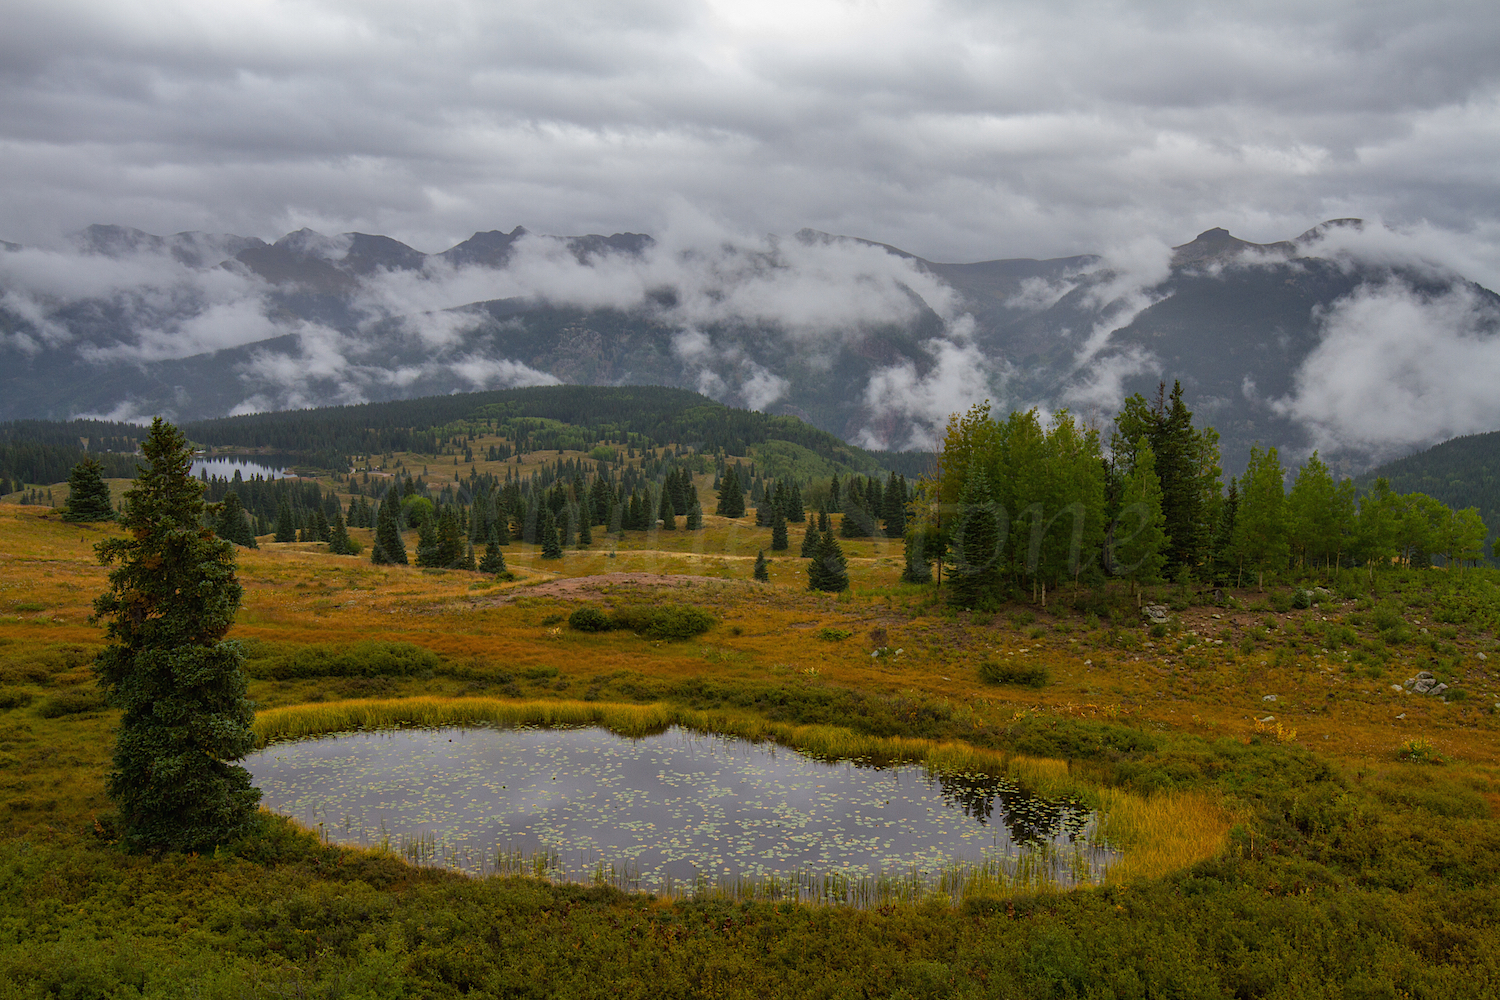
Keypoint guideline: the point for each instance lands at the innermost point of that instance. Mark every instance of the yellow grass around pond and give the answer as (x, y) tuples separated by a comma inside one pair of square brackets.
[(1155, 834)]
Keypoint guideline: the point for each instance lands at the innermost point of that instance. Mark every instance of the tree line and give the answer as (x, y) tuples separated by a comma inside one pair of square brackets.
[(1017, 506)]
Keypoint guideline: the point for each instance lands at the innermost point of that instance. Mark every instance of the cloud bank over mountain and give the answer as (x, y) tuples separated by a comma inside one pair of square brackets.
[(1354, 338)]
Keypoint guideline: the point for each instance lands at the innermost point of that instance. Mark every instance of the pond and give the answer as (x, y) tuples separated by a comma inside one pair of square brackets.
[(247, 466), (674, 812)]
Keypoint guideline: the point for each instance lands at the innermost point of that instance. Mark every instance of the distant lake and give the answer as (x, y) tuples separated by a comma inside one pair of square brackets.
[(670, 810), (247, 466)]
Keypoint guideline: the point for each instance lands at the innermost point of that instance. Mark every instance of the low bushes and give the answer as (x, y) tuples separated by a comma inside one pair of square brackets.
[(1006, 672), (362, 659), (74, 701), (657, 621)]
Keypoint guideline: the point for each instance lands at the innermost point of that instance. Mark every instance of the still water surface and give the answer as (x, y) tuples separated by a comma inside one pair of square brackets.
[(672, 808), (225, 468)]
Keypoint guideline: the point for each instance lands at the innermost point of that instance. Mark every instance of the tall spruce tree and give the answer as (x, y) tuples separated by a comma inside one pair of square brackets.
[(172, 597), (761, 572), (975, 572), (286, 523), (547, 530), (809, 541), (389, 548), (828, 570), (493, 562), (232, 523), (778, 532), (88, 494), (731, 495)]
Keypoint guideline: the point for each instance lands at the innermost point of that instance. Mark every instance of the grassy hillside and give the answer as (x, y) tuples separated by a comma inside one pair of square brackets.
[(1339, 841)]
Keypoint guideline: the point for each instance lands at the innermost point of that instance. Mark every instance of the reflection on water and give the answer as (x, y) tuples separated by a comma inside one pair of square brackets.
[(666, 810), (225, 468)]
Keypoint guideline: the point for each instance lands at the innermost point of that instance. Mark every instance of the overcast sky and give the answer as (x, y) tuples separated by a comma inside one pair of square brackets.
[(958, 131)]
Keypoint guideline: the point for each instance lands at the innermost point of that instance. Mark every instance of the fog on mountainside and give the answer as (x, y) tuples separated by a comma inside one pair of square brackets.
[(1345, 339)]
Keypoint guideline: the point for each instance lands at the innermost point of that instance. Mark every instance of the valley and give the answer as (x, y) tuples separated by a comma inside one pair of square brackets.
[(1270, 778)]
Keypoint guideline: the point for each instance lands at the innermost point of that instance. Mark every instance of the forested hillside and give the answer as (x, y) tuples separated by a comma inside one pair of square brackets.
[(42, 452), (1463, 472), (536, 418)]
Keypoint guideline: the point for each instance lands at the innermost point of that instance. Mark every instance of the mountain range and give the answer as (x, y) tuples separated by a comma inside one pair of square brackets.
[(1330, 340)]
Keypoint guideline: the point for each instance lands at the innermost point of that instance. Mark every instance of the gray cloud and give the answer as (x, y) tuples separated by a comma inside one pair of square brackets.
[(1397, 368), (958, 130)]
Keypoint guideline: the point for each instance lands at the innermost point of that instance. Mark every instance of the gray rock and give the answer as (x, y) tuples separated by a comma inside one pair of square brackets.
[(1157, 614), (1269, 697)]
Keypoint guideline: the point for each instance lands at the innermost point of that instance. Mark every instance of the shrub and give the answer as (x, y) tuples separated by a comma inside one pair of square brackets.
[(1301, 600), (664, 621), (590, 620), (830, 634), (74, 701), (1418, 751), (1006, 672), (363, 659), (13, 698)]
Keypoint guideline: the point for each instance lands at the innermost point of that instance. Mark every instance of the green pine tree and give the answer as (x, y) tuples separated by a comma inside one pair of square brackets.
[(547, 530), (978, 544), (828, 570), (185, 720), (761, 572), (390, 547), (286, 524), (778, 532), (88, 494), (731, 495), (493, 562), (232, 523)]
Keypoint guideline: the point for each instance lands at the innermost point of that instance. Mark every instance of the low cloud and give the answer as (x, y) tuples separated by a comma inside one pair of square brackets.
[(1397, 369), (910, 407)]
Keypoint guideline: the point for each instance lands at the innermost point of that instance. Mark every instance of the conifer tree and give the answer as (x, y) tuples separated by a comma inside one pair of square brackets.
[(694, 516), (585, 530), (427, 543), (778, 532), (551, 547), (450, 539), (493, 563), (339, 542), (88, 494), (232, 523), (731, 495), (828, 570), (978, 543), (286, 524), (761, 572), (666, 512), (389, 548), (172, 597), (918, 568), (810, 541), (796, 510), (893, 513)]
